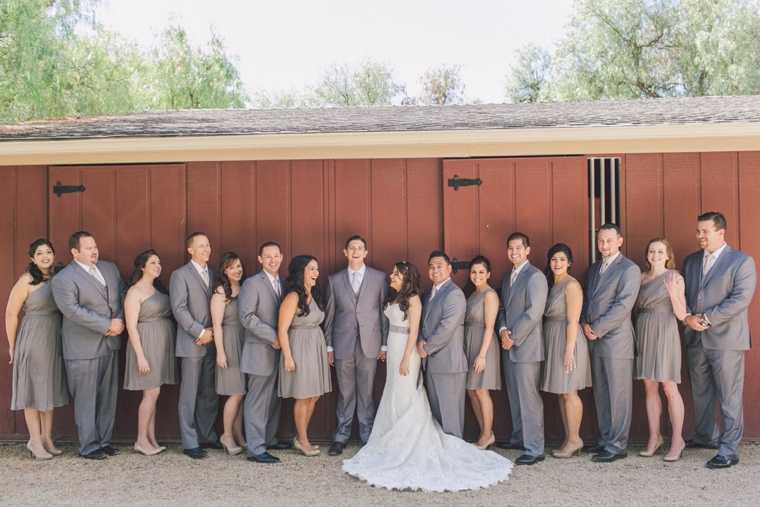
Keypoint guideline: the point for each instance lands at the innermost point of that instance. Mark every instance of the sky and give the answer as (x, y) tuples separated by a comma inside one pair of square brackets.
[(288, 44)]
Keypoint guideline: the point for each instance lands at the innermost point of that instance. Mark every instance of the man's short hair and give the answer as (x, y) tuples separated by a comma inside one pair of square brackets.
[(192, 237), (611, 227), (355, 237), (267, 244), (717, 218), (438, 253), (74, 239), (519, 235)]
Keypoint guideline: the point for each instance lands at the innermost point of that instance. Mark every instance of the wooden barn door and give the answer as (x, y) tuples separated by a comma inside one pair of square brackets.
[(127, 209), (545, 198)]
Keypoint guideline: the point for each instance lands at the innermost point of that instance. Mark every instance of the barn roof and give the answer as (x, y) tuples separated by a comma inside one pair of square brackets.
[(475, 117), (478, 130)]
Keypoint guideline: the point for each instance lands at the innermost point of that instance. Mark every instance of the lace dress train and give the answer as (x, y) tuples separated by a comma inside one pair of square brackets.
[(407, 448)]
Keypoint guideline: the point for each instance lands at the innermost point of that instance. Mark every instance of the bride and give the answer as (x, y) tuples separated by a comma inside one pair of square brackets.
[(407, 448)]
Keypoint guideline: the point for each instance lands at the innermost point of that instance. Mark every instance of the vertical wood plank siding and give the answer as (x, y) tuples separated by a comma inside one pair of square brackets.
[(403, 208)]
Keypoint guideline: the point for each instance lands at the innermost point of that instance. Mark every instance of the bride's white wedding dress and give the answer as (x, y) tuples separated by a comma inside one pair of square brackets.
[(407, 448)]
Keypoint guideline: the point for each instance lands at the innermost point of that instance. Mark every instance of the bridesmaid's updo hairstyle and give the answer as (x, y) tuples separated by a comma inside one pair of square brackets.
[(558, 248), (469, 287), (669, 264), (294, 283), (140, 263), (410, 286), (222, 280), (32, 269)]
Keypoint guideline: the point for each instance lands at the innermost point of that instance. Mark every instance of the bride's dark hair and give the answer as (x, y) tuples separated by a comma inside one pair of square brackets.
[(410, 286)]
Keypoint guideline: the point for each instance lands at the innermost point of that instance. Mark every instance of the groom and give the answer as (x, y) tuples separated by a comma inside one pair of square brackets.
[(355, 330), (442, 342)]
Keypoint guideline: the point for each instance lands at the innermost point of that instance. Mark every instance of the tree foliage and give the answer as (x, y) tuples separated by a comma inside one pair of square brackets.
[(56, 60), (369, 84), (527, 81), (193, 78), (616, 49), (442, 85)]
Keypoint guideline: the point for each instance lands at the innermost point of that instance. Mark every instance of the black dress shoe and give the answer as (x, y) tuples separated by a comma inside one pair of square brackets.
[(592, 449), (336, 449), (195, 453), (608, 457), (96, 454), (691, 444), (721, 462), (509, 446), (111, 451), (527, 459), (264, 457), (212, 445), (280, 446)]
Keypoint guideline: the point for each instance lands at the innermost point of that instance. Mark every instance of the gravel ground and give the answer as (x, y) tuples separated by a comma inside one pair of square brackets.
[(173, 479)]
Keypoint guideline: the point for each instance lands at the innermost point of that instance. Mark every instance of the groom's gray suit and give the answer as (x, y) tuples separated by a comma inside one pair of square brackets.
[(442, 330), (607, 305), (521, 312), (198, 401), (259, 311), (356, 329), (716, 355), (91, 358)]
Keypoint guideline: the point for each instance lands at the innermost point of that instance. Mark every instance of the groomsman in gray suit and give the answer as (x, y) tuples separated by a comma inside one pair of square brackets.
[(190, 293), (720, 282), (259, 303), (356, 331), (442, 343), (611, 291), (90, 294), (523, 298)]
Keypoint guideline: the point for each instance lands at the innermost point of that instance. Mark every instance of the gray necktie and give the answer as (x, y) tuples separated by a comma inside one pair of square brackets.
[(432, 294), (276, 284), (94, 272), (512, 278), (355, 282), (204, 275), (709, 259), (604, 268)]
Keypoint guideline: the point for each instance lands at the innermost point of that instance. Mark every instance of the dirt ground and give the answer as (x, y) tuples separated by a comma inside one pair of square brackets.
[(171, 478)]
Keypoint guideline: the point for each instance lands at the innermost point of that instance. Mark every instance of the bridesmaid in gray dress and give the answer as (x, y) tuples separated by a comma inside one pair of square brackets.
[(228, 338), (661, 300), (567, 367), (304, 369), (150, 359), (481, 346), (39, 380)]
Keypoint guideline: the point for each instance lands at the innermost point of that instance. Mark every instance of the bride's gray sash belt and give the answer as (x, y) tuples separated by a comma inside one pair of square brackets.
[(398, 329)]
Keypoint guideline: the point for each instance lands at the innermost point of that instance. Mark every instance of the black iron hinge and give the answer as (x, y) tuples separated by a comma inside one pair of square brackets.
[(59, 189)]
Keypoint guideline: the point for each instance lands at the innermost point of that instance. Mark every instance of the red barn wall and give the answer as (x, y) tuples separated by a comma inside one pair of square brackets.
[(400, 206)]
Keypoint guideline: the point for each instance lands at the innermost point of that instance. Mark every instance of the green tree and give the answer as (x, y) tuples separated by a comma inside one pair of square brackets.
[(369, 84), (441, 85), (616, 49), (527, 81), (56, 60), (192, 78)]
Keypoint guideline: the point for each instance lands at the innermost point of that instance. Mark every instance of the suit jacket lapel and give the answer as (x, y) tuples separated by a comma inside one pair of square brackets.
[(267, 283), (91, 279), (197, 276), (609, 269), (719, 261), (349, 287)]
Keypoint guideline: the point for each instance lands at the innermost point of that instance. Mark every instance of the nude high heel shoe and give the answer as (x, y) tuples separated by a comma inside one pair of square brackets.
[(39, 457), (488, 444), (567, 455), (53, 451), (303, 451), (649, 454)]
